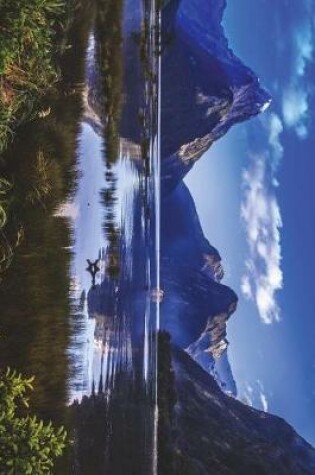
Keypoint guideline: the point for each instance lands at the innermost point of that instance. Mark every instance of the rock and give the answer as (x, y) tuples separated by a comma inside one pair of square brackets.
[(206, 89)]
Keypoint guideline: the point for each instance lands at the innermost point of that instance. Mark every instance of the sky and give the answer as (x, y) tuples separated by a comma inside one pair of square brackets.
[(260, 211)]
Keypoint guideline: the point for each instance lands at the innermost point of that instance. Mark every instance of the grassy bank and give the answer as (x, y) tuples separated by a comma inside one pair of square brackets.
[(41, 165), (28, 50), (37, 175), (28, 47), (36, 40)]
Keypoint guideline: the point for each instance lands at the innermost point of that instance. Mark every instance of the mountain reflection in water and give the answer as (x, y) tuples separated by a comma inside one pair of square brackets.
[(114, 433)]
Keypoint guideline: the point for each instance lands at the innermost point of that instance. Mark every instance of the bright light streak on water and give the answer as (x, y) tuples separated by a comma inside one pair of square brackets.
[(157, 194), (147, 330)]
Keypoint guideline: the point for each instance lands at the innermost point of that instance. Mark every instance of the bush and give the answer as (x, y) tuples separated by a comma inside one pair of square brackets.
[(27, 445)]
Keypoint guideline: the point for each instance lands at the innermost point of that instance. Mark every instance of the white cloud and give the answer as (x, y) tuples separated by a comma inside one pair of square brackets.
[(264, 402), (262, 396), (295, 109), (246, 287), (261, 216), (247, 395), (254, 395), (302, 131), (249, 388), (304, 49), (295, 100), (275, 128), (260, 211), (247, 400)]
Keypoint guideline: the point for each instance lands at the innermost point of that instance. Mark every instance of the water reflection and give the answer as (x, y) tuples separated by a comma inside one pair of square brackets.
[(121, 310), (79, 309)]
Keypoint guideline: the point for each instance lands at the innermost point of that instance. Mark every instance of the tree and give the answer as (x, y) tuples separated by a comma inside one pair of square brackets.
[(27, 445)]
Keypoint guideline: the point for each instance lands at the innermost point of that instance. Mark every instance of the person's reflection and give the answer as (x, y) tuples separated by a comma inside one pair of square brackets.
[(93, 269)]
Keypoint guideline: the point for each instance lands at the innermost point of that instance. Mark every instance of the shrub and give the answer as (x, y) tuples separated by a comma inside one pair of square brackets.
[(27, 445)]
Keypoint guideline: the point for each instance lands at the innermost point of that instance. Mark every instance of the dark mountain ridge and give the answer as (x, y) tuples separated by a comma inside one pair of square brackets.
[(196, 305), (217, 434), (206, 89)]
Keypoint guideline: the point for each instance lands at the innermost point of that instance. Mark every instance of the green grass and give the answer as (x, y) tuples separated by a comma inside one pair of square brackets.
[(5, 248), (27, 59), (5, 187), (31, 36)]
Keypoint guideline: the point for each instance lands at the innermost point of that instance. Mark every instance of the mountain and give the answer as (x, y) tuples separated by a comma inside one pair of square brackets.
[(196, 305), (216, 434), (206, 89)]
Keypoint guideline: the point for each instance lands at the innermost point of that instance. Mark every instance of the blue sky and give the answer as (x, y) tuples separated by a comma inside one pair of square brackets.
[(260, 211)]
